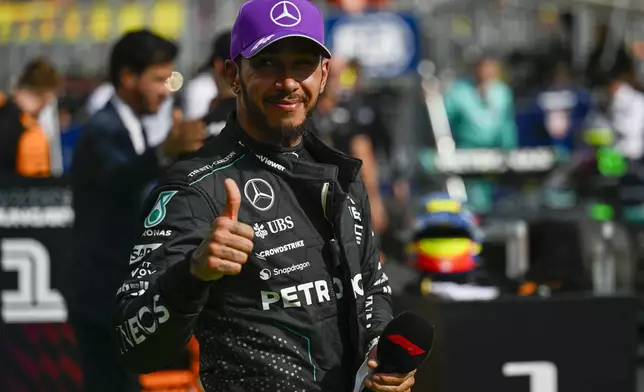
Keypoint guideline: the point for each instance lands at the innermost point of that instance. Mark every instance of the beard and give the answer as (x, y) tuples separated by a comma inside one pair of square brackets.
[(284, 135), (145, 107)]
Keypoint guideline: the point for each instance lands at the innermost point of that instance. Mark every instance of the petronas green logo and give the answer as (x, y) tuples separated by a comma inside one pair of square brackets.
[(157, 215)]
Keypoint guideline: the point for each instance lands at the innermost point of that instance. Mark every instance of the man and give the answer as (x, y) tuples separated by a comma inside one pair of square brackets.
[(200, 91), (113, 168), (285, 291), (626, 112), (24, 147), (225, 100), (481, 115), (157, 125), (481, 111)]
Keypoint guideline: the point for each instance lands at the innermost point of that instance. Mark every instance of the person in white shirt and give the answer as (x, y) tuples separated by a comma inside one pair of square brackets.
[(626, 112), (157, 125), (200, 91)]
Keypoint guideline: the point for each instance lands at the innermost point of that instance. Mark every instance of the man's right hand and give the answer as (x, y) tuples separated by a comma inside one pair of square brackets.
[(229, 244), (184, 137)]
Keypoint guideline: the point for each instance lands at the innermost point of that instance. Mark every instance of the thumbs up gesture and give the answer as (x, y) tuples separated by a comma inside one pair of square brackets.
[(230, 242)]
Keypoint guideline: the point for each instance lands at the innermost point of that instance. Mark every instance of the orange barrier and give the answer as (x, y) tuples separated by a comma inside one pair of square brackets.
[(175, 380)]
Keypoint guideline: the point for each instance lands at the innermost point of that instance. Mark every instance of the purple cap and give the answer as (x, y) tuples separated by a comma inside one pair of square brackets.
[(262, 22)]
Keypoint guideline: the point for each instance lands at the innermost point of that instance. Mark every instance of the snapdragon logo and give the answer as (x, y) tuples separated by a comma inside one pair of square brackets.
[(288, 270), (266, 274)]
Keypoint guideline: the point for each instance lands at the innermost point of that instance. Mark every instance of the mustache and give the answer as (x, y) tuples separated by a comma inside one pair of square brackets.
[(286, 97)]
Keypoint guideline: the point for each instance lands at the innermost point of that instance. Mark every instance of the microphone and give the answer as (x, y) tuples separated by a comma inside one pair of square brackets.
[(404, 345)]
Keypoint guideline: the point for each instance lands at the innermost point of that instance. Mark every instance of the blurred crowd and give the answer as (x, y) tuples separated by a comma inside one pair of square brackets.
[(532, 96), (493, 98), (536, 96)]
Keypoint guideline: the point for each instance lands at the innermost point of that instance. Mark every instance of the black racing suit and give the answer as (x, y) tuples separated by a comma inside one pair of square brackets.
[(308, 303)]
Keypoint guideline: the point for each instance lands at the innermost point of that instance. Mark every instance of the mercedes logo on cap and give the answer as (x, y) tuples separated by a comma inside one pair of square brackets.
[(259, 193), (285, 14)]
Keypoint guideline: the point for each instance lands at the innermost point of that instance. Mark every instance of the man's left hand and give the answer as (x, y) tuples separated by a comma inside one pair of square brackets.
[(387, 382)]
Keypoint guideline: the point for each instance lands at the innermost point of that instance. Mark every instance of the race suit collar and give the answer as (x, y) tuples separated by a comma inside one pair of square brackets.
[(347, 167)]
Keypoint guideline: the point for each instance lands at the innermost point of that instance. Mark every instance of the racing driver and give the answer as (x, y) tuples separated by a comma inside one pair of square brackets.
[(261, 244)]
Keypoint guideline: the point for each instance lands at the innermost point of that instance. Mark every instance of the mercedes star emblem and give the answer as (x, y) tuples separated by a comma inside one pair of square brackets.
[(259, 193), (285, 14)]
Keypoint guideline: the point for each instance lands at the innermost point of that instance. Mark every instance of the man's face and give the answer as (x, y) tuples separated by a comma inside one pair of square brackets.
[(487, 70), (280, 86), (150, 87), (41, 100)]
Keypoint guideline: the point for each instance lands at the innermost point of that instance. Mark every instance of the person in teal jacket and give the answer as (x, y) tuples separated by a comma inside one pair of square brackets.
[(481, 112), (481, 115)]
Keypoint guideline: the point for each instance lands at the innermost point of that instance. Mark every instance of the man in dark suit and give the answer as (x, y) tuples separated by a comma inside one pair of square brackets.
[(113, 168)]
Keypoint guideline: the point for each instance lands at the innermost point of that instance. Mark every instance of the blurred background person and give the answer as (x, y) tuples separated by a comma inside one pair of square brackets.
[(201, 90), (24, 146), (481, 109), (626, 112), (400, 210), (347, 119), (113, 168), (224, 101), (157, 124), (558, 111)]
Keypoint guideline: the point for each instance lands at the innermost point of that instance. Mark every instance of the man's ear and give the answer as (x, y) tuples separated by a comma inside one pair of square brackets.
[(128, 78), (325, 74), (219, 65), (232, 73)]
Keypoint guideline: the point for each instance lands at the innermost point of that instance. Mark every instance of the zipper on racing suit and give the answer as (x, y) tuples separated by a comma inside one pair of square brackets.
[(336, 254)]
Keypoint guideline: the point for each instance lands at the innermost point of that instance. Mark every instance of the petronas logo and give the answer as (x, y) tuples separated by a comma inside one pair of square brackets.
[(157, 215)]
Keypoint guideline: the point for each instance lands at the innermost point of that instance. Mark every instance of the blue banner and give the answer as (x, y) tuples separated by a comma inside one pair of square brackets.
[(387, 44)]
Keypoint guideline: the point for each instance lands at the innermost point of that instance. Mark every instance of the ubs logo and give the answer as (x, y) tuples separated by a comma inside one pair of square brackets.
[(280, 224), (275, 226)]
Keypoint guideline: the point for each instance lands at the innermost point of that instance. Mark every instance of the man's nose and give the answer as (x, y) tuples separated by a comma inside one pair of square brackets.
[(288, 83), (164, 92)]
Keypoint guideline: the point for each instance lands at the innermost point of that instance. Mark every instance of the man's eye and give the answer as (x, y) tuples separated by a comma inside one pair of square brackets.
[(304, 64), (266, 63)]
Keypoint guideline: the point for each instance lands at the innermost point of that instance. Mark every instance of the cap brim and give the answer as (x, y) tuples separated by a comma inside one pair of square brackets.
[(262, 43)]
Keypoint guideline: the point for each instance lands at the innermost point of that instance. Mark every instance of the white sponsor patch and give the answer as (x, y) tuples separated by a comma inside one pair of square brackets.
[(279, 249), (140, 251)]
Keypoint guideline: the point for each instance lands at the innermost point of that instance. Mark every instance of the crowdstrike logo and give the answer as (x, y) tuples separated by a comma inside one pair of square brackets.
[(279, 249)]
